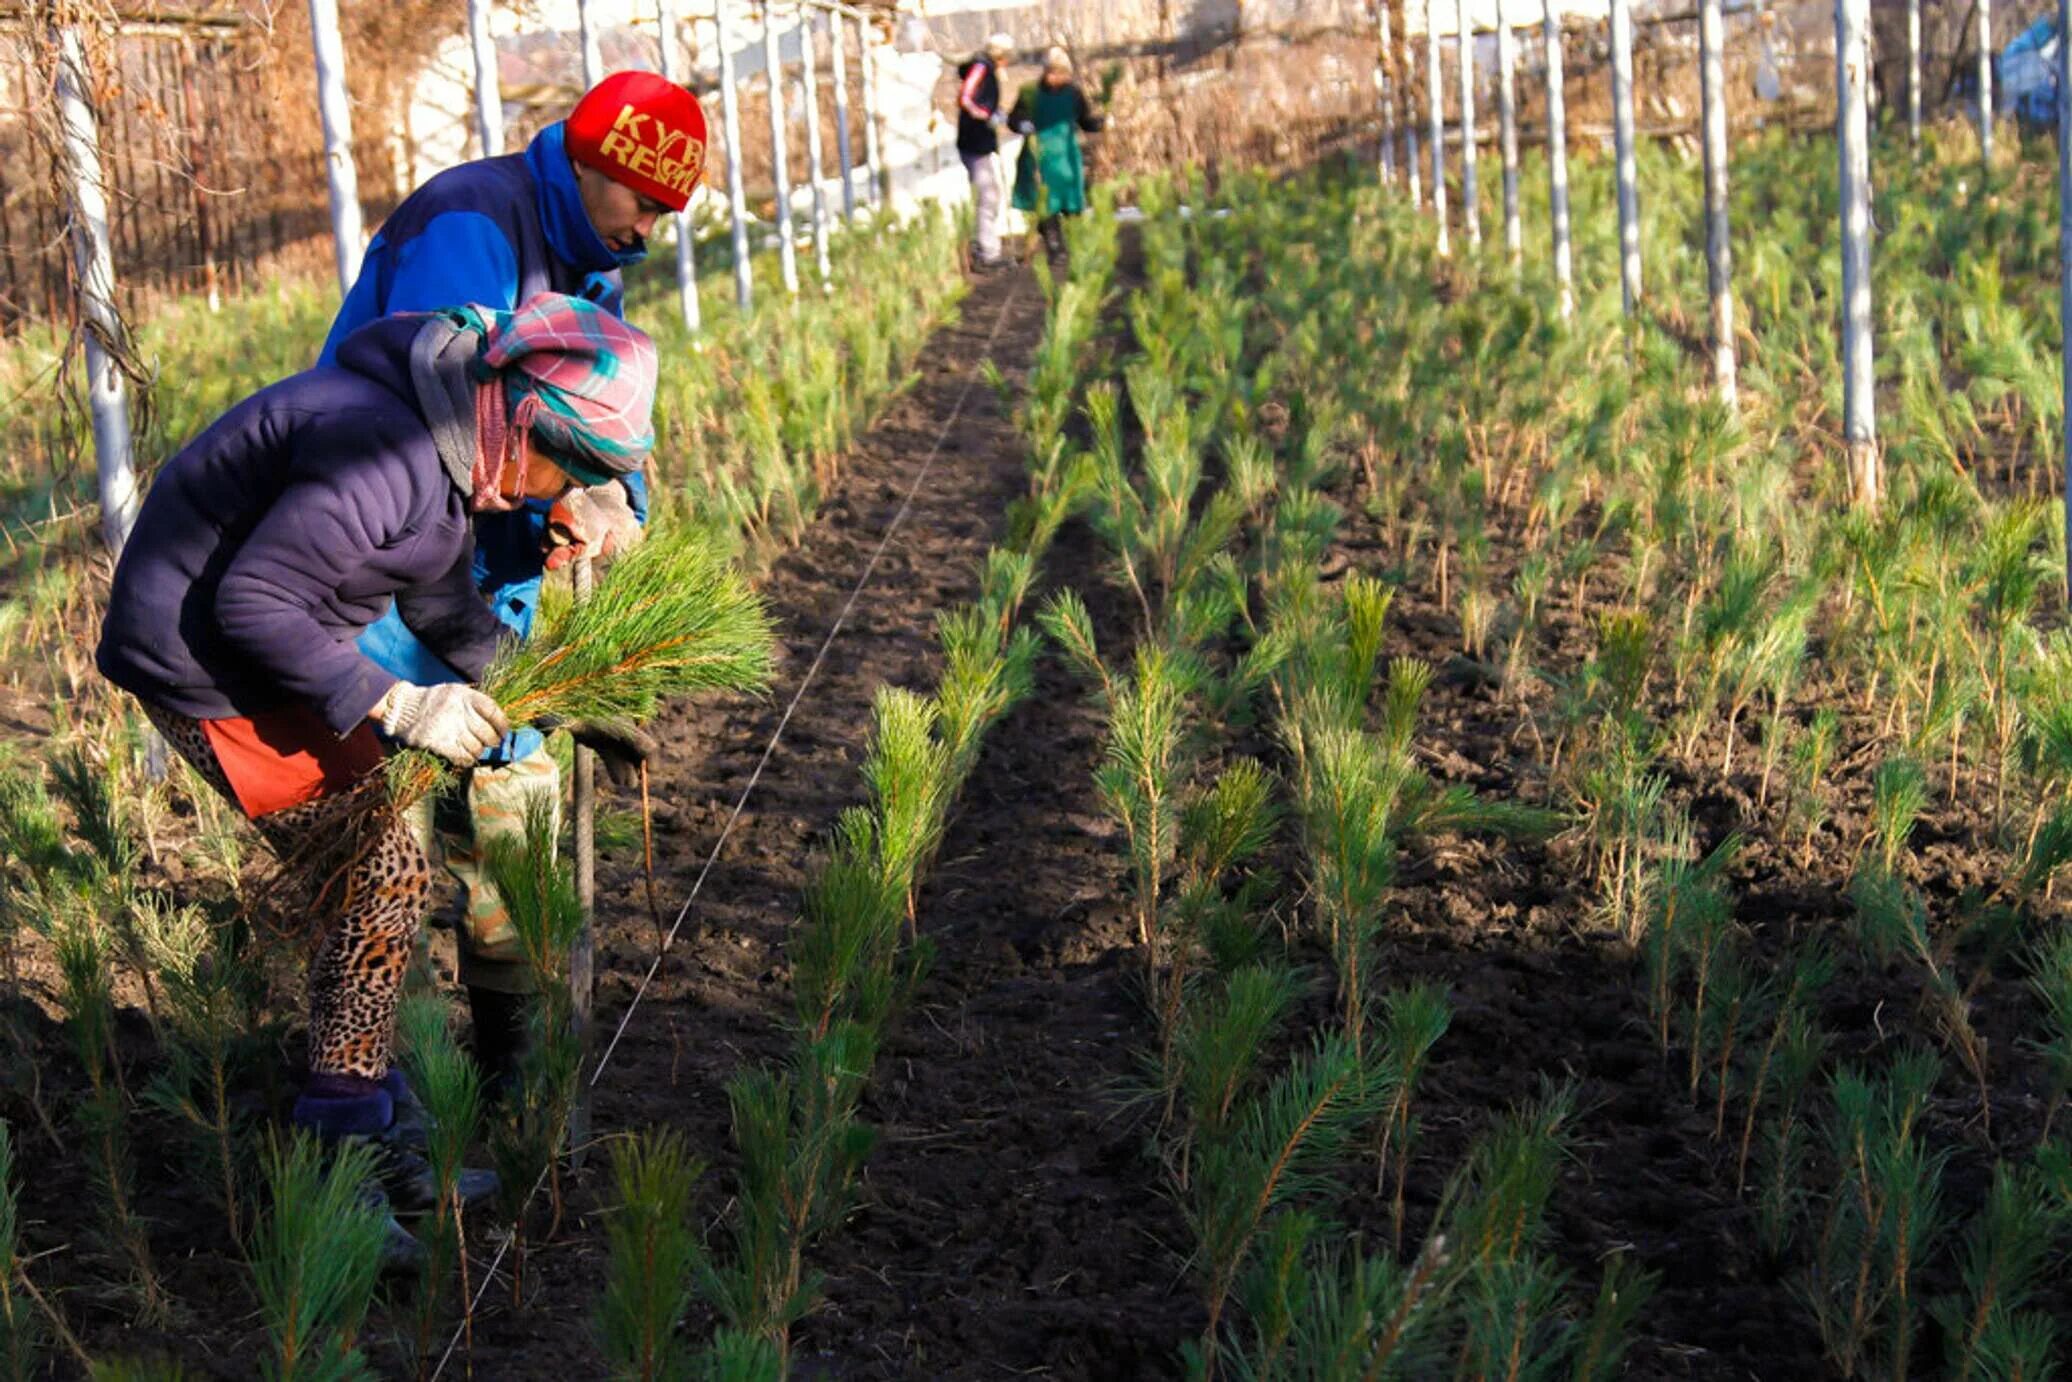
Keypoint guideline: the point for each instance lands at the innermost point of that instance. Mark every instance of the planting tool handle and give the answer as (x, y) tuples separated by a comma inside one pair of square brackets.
[(582, 962)]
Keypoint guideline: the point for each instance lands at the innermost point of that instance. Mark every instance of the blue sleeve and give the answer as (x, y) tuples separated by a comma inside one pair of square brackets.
[(459, 257), (607, 290), (636, 494)]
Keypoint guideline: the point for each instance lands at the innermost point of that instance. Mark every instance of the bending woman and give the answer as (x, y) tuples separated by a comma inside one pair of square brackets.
[(275, 537), (1050, 174)]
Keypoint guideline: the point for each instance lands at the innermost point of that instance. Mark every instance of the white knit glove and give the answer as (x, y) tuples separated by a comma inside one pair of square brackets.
[(599, 521), (453, 720)]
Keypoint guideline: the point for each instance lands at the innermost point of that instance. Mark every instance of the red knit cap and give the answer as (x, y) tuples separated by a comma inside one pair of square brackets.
[(642, 131)]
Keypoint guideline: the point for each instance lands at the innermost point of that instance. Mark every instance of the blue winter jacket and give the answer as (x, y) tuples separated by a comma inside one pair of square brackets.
[(273, 539), (492, 232)]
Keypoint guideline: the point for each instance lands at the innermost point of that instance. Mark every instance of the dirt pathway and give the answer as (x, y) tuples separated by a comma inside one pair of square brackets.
[(979, 1244), (1013, 1224)]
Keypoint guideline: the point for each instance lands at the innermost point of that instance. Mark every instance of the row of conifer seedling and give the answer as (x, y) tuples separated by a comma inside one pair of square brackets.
[(857, 953), (1238, 635)]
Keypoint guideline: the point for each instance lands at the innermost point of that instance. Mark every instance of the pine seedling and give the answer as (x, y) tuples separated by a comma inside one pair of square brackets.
[(1221, 830), (213, 1035), (1278, 1288), (907, 773), (87, 994), (1282, 1150), (1065, 619), (1003, 585), (1413, 1020), (1501, 1194), (41, 864), (1713, 959), (654, 1257), (2050, 979), (1622, 1294), (1409, 680), (1810, 759), (21, 1329), (844, 953), (111, 857), (451, 1087), (1688, 907), (316, 1255), (1139, 777), (1808, 972), (1352, 858), (1893, 923), (1334, 1315), (1881, 1214), (801, 1147), (1513, 1320), (1624, 805), (539, 893), (2009, 1250), (1221, 1039), (1781, 1193), (737, 1356), (1733, 997), (1899, 791)]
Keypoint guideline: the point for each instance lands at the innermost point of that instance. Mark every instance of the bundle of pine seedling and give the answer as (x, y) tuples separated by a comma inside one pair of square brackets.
[(673, 618)]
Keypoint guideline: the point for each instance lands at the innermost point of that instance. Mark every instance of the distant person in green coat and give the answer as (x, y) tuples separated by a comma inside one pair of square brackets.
[(1050, 175)]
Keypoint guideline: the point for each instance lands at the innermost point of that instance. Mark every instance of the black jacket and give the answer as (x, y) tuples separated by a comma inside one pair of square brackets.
[(975, 134)]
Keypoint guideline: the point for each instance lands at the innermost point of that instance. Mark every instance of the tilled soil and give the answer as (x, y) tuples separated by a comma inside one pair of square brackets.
[(1013, 1219)]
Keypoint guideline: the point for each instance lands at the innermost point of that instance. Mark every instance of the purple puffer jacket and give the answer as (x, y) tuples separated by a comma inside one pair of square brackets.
[(272, 539)]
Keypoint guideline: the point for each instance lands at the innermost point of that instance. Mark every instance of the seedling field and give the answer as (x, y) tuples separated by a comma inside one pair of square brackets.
[(1314, 816)]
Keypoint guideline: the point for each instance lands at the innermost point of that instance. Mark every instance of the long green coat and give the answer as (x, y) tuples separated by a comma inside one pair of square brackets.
[(1050, 175)]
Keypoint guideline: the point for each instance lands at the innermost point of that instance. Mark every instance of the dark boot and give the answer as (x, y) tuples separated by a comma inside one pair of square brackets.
[(1053, 228), (503, 1035), (339, 1108), (405, 1172)]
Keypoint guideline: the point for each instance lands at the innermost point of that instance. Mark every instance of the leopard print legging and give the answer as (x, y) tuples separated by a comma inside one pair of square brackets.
[(387, 883)]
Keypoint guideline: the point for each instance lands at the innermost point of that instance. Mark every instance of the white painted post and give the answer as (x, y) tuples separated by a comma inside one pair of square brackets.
[(348, 235), (1719, 256), (489, 97), (2065, 257), (1470, 201), (773, 68), (1985, 80), (1507, 129), (1435, 104), (809, 60), (1404, 114), (593, 44), (1852, 132), (686, 242), (1622, 139), (845, 153), (1381, 88), (867, 69), (1914, 72), (1557, 160), (107, 397), (737, 194)]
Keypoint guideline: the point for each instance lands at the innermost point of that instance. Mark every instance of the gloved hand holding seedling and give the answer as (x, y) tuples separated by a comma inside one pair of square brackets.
[(675, 618)]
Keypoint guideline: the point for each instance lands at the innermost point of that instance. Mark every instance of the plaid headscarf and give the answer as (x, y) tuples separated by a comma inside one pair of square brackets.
[(577, 377)]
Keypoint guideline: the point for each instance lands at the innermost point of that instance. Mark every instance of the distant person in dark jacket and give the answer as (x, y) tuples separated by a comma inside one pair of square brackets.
[(273, 539), (566, 216), (1050, 176), (979, 121)]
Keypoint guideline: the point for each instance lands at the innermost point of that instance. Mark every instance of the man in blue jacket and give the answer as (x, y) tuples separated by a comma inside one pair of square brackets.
[(568, 215)]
